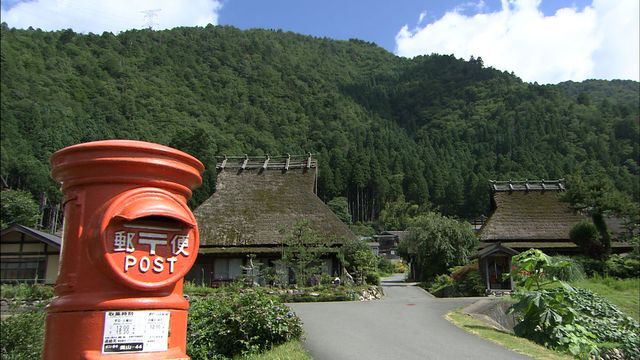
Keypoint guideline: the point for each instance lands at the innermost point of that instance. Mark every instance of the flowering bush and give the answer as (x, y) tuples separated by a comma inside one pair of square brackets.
[(239, 322)]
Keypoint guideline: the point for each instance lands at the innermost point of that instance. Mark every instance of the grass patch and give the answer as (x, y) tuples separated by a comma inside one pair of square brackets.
[(292, 350), (509, 341), (624, 293)]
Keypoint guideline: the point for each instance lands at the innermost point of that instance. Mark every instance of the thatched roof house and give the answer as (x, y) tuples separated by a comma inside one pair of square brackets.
[(529, 214), (256, 204), (525, 215)]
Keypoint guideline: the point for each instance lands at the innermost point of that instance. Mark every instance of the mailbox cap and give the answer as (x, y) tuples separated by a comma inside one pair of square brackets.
[(127, 161)]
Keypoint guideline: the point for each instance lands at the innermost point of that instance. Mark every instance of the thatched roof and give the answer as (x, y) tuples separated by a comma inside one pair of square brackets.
[(256, 199), (526, 214)]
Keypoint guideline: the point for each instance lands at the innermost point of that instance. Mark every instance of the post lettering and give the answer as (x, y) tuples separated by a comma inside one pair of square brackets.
[(158, 265), (129, 261), (172, 260), (145, 263)]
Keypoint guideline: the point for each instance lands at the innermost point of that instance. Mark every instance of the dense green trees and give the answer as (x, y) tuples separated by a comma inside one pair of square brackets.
[(436, 243), (431, 130), (340, 206), (18, 207)]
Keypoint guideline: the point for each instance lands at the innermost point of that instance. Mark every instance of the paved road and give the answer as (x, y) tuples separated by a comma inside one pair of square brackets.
[(407, 324)]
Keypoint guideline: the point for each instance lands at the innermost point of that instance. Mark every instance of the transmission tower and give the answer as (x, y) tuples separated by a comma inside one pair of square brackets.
[(150, 17)]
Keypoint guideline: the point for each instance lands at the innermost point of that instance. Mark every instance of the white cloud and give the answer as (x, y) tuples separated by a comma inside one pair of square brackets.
[(421, 17), (471, 6), (600, 41), (111, 15)]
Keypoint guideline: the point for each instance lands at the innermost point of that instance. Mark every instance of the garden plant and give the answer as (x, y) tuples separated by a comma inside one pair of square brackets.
[(568, 319)]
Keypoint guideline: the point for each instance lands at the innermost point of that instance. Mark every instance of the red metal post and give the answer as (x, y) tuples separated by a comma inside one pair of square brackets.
[(128, 240)]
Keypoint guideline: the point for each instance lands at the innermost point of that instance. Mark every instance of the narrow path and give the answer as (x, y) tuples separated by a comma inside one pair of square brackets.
[(407, 324)]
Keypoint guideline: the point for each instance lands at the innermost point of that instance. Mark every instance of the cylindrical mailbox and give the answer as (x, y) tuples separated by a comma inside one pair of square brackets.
[(129, 238)]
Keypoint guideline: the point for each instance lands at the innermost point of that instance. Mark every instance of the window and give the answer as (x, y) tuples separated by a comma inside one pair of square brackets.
[(29, 270), (227, 269)]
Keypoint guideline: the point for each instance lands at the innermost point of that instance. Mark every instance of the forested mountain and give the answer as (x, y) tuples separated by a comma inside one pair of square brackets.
[(432, 129)]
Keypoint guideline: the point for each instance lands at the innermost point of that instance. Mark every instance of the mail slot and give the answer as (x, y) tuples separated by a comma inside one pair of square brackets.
[(128, 240)]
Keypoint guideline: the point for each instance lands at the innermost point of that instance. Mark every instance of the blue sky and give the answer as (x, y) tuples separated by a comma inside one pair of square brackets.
[(547, 41), (376, 21)]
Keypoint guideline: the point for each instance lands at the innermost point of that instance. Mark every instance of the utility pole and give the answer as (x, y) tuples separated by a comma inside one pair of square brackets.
[(151, 17)]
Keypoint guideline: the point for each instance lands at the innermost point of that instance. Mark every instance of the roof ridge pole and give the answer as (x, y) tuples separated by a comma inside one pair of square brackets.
[(286, 164), (266, 162), (244, 163)]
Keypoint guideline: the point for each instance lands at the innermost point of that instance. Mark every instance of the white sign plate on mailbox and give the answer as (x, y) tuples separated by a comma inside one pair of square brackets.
[(135, 331)]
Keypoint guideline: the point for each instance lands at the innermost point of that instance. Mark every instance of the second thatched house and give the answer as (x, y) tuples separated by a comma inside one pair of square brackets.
[(529, 214), (525, 215), (256, 204)]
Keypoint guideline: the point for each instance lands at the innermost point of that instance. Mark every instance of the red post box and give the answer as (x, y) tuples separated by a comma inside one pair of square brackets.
[(129, 238)]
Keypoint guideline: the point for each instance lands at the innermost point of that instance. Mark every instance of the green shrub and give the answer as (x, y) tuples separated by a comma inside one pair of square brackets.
[(459, 272), (623, 266), (572, 271), (463, 281), (472, 284), (235, 323), (436, 243), (400, 267), (385, 266), (24, 291), (358, 259), (546, 316), (612, 328), (441, 281), (372, 279), (192, 289), (566, 319), (590, 266), (585, 234), (22, 336)]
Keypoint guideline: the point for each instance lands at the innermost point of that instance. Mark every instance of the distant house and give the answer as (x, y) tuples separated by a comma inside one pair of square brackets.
[(529, 214), (255, 206), (373, 245), (525, 215), (28, 255), (389, 241)]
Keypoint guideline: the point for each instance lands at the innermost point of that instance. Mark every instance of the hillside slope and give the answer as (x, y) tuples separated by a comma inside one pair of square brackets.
[(433, 129)]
